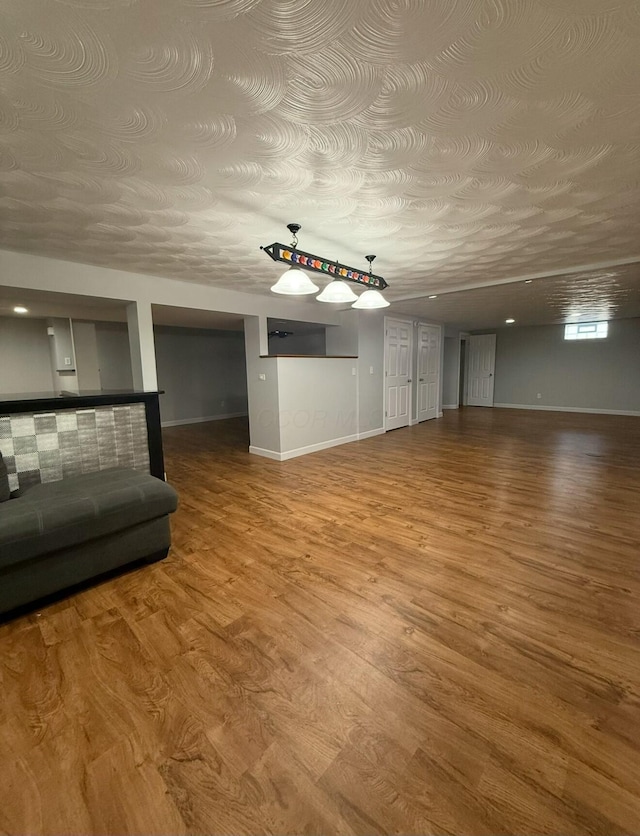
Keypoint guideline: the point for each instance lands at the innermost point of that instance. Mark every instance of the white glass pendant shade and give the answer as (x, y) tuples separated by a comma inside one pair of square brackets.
[(295, 282), (370, 300), (337, 292)]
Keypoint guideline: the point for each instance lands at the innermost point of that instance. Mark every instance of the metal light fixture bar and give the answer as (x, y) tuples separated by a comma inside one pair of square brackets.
[(291, 255)]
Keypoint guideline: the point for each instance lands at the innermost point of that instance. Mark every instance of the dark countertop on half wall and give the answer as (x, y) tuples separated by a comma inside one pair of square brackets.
[(95, 397)]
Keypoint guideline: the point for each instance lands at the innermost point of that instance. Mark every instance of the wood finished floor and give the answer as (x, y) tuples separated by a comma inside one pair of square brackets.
[(432, 631)]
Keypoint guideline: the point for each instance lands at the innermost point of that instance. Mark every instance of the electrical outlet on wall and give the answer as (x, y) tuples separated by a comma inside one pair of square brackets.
[(539, 395)]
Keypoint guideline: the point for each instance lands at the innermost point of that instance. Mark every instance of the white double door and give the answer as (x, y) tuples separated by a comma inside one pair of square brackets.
[(398, 371)]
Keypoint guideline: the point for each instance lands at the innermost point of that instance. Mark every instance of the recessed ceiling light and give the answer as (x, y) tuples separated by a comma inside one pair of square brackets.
[(528, 281), (434, 297), (20, 309), (509, 321)]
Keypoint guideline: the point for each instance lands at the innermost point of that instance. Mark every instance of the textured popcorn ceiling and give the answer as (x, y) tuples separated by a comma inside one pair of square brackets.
[(578, 297), (463, 142)]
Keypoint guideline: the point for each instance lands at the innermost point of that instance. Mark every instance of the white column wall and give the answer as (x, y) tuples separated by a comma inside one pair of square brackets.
[(262, 390), (142, 347), (370, 373)]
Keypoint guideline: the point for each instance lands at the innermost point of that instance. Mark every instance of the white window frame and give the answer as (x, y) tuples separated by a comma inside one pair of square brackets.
[(586, 330)]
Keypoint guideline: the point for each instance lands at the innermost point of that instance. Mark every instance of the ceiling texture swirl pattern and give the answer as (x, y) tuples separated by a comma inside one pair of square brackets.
[(466, 143)]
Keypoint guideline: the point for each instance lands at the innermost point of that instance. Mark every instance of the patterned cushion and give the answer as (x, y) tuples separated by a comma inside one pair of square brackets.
[(5, 492), (49, 446)]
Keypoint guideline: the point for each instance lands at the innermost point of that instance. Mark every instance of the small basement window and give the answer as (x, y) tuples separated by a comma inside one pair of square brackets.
[(586, 331)]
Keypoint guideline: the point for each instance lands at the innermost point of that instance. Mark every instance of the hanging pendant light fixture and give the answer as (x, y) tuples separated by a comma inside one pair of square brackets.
[(337, 292), (294, 282), (370, 300)]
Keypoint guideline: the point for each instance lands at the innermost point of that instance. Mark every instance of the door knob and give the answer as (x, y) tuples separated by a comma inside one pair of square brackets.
[(422, 380), (409, 380)]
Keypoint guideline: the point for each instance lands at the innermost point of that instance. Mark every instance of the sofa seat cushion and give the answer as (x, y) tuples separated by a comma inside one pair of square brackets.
[(56, 515)]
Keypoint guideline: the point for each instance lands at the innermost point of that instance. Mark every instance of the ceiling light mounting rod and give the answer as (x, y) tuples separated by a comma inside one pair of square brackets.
[(294, 229)]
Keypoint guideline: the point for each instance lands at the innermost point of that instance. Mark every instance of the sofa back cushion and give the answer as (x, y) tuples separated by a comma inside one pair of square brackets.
[(50, 446)]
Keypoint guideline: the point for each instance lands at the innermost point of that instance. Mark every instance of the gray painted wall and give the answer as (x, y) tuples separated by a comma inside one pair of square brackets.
[(313, 344), (86, 351), (370, 383), (342, 340), (114, 358), (202, 372), (362, 335), (25, 358), (581, 374), (264, 408)]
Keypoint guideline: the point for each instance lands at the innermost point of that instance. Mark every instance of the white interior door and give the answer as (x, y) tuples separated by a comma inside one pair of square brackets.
[(428, 371), (397, 388), (481, 364)]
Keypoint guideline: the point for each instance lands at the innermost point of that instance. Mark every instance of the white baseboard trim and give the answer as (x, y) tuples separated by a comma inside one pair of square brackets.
[(568, 409), (267, 454), (450, 406), (302, 451), (440, 414), (204, 419), (371, 433)]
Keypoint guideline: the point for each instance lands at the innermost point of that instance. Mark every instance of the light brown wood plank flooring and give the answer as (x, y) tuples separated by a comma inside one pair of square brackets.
[(432, 631)]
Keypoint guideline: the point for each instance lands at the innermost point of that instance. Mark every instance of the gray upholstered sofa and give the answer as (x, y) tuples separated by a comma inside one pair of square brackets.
[(58, 534)]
